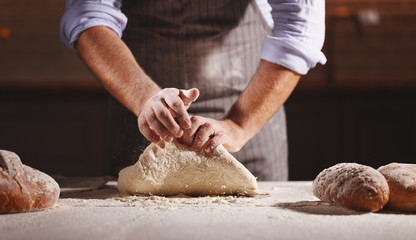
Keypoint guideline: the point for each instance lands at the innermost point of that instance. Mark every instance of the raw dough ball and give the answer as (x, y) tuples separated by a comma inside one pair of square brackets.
[(23, 188), (170, 168), (401, 178), (353, 186)]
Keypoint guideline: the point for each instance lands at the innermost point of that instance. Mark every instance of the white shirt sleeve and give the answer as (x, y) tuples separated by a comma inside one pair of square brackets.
[(83, 14), (296, 42), (298, 34)]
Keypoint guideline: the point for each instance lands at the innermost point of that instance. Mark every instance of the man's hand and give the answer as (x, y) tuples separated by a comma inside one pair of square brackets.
[(157, 118), (266, 92), (206, 134)]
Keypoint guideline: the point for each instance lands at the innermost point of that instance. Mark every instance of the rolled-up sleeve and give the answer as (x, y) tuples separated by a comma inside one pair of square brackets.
[(81, 15), (298, 34)]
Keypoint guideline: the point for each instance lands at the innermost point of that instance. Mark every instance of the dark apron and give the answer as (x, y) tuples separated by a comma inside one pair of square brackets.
[(213, 46)]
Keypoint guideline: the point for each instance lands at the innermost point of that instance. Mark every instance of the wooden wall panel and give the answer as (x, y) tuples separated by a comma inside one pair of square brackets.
[(367, 128), (33, 56), (60, 133), (362, 55)]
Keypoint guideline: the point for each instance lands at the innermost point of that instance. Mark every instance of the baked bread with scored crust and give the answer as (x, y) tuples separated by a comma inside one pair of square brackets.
[(23, 188), (352, 185)]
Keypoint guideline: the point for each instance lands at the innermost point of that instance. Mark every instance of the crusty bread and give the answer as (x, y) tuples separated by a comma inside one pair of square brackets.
[(23, 188), (353, 186), (401, 178)]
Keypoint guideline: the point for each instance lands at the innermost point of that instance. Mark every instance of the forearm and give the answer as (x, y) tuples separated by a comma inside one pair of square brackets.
[(115, 67), (268, 90)]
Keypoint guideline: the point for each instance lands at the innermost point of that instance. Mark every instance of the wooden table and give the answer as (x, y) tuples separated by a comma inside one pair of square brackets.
[(286, 210)]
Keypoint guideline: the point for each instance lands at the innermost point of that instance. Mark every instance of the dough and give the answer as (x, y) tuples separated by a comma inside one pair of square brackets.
[(353, 186), (170, 168), (23, 188), (401, 178)]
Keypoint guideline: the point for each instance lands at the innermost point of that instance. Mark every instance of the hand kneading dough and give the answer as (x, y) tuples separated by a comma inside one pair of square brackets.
[(170, 168), (23, 188), (401, 178), (353, 186)]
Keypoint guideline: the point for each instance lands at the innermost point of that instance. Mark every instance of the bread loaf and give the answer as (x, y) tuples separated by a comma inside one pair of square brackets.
[(23, 188), (353, 186), (401, 178)]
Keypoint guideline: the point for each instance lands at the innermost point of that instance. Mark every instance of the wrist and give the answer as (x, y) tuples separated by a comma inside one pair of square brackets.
[(237, 136), (140, 101)]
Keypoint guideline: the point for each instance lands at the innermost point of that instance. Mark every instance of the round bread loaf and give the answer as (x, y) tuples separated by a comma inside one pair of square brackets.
[(401, 178), (23, 188), (353, 186)]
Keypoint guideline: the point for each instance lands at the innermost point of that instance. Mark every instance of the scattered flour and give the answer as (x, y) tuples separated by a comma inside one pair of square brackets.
[(124, 200), (110, 197)]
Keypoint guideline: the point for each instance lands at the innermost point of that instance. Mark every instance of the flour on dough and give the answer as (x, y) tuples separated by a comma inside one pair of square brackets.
[(170, 168)]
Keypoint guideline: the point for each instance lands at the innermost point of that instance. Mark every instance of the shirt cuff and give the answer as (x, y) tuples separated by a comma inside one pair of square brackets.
[(291, 53)]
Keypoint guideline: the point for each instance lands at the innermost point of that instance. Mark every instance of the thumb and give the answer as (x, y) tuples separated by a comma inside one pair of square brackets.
[(189, 96)]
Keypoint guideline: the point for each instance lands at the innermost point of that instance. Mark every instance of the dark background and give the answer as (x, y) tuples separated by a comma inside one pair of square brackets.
[(359, 107)]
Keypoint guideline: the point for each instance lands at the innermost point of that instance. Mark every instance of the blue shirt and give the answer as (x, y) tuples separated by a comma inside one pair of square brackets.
[(296, 40)]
